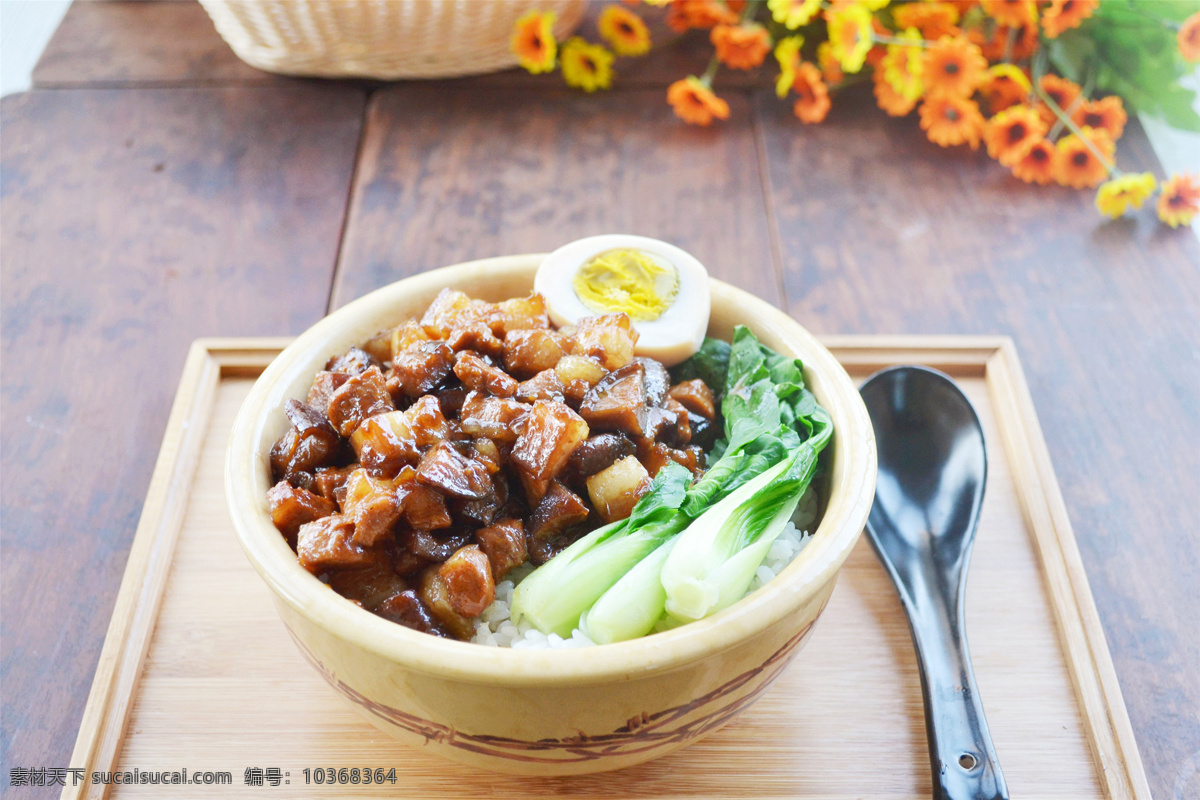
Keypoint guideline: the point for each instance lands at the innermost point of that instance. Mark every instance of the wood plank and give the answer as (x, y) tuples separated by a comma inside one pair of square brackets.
[(133, 221), (882, 231), (450, 175), (140, 42)]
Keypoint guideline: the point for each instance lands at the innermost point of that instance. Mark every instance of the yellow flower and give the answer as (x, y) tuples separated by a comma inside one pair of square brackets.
[(831, 70), (787, 53), (793, 13), (624, 30), (1116, 197), (533, 41), (850, 31), (874, 5), (586, 66), (903, 64)]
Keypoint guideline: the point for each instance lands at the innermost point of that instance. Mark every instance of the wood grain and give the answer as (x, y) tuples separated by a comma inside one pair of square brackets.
[(449, 175), (139, 43), (853, 691), (882, 231), (132, 222)]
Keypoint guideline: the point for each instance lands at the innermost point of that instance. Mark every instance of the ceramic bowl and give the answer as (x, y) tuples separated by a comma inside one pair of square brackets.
[(547, 712)]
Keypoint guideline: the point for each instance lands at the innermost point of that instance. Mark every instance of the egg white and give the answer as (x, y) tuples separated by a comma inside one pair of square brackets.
[(674, 336)]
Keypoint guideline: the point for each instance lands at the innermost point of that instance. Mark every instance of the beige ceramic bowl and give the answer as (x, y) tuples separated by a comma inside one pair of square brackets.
[(548, 712)]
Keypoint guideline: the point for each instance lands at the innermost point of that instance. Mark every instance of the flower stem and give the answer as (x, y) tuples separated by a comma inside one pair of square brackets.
[(711, 72), (880, 39), (1063, 119)]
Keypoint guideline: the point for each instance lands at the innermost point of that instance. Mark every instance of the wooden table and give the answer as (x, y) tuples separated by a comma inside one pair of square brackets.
[(155, 189)]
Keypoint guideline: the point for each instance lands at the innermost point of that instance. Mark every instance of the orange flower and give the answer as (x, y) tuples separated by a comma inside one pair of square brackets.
[(1062, 91), (949, 120), (741, 46), (1005, 86), (1011, 133), (1180, 200), (694, 102), (1107, 114), (996, 48), (953, 66), (933, 20), (685, 14), (1038, 163), (624, 30), (891, 101), (1062, 15), (1077, 165), (831, 68), (813, 103), (1012, 13), (533, 41), (1189, 38)]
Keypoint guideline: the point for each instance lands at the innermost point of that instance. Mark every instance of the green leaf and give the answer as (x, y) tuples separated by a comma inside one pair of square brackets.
[(710, 364)]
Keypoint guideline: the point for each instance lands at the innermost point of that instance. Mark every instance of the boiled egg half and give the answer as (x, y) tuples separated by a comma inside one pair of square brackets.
[(663, 289)]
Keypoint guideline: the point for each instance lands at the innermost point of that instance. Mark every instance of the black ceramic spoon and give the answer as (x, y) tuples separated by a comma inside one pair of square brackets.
[(932, 470)]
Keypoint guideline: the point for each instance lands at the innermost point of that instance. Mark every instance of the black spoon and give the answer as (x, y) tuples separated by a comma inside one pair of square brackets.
[(932, 470)]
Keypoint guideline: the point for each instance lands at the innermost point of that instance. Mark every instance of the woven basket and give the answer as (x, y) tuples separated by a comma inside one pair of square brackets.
[(379, 38)]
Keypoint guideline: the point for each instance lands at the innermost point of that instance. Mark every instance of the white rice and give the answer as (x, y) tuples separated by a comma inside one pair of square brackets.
[(495, 628)]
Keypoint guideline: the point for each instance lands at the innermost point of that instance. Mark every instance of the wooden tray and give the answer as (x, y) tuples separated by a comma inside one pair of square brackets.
[(198, 672)]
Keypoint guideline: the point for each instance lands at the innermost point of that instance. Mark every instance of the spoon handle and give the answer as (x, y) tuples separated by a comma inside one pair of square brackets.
[(960, 747)]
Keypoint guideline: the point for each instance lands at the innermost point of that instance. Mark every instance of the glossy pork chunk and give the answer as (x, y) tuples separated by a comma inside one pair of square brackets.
[(428, 463)]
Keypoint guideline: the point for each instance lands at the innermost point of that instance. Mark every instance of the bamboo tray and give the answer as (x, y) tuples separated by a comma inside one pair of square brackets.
[(198, 672)]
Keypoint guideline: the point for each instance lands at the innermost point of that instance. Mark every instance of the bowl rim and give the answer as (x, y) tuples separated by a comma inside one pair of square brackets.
[(846, 512)]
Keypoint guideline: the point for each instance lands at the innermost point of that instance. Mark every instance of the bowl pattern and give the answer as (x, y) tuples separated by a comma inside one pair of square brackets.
[(643, 734), (549, 712)]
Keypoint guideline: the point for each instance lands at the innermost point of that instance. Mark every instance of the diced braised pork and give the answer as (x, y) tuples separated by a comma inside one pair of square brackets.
[(470, 587), (578, 374), (528, 352), (543, 386), (559, 510), (475, 336), (504, 545), (354, 361), (435, 593), (386, 442), (292, 507), (497, 418), (695, 397), (609, 338), (614, 491), (311, 442), (371, 584), (657, 380), (552, 432), (371, 503), (595, 454), (452, 309), (419, 370), (407, 609), (323, 387), (328, 543), (423, 508), (426, 421), (480, 376), (408, 336), (328, 480), (444, 468), (519, 313), (361, 397), (618, 402)]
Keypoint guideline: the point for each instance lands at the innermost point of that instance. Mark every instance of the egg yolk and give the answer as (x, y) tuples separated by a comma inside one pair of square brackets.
[(628, 281)]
